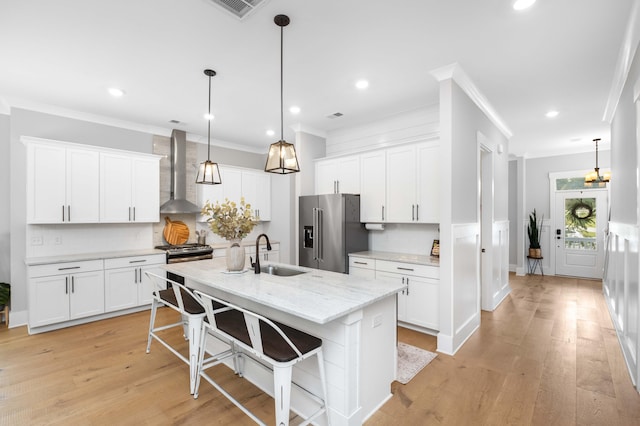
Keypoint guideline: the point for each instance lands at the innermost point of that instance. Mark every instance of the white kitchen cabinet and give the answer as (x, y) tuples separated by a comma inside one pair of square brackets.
[(65, 291), (401, 184), (126, 285), (253, 185), (373, 187), (129, 188), (428, 178), (362, 267), (256, 190), (340, 175), (265, 255), (418, 304), (62, 183), (412, 181)]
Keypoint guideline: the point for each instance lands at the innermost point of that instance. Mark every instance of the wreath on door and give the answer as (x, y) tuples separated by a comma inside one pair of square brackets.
[(581, 213)]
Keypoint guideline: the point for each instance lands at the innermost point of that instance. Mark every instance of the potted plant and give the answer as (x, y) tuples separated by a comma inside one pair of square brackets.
[(533, 230), (233, 223), (5, 298)]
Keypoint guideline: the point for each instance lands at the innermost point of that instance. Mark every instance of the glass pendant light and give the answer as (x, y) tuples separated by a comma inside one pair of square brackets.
[(282, 157), (208, 172)]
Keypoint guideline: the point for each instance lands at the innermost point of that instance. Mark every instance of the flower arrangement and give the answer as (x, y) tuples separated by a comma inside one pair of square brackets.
[(230, 221)]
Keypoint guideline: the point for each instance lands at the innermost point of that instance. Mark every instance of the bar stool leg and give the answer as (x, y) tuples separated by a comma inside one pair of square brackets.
[(323, 379), (152, 321), (282, 394), (195, 337)]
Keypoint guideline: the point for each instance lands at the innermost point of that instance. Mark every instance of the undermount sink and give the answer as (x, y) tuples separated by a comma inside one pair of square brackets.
[(279, 271)]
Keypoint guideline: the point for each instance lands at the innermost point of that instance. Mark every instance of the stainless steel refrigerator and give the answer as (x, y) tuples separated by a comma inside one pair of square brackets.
[(329, 230)]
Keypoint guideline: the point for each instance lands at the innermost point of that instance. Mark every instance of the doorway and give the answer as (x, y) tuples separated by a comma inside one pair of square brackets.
[(580, 219)]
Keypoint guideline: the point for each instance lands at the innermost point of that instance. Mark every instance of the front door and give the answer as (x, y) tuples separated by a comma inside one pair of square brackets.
[(580, 218)]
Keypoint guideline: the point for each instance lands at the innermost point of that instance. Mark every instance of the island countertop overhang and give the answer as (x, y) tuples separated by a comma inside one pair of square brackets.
[(317, 296)]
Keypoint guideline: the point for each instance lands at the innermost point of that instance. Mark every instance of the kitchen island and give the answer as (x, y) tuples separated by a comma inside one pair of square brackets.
[(354, 317)]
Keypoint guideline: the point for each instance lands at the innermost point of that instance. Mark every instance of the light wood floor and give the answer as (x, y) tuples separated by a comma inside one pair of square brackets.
[(547, 356)]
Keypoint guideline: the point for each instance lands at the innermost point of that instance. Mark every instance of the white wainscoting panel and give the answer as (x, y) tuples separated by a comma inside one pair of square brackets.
[(499, 286), (621, 288), (465, 284)]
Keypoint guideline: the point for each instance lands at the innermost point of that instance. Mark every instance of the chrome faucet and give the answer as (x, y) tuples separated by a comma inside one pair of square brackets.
[(256, 265)]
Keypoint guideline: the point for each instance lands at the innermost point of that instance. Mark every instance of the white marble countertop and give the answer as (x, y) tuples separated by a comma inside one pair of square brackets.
[(32, 261), (317, 296), (399, 257)]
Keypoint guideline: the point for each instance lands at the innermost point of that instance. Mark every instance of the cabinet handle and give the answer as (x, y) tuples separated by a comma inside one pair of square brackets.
[(138, 261), (69, 213), (63, 213), (338, 184), (382, 212), (129, 214), (73, 284), (402, 280), (66, 285), (407, 286), (404, 269), (68, 267), (134, 214), (413, 212), (417, 212), (135, 276), (360, 263)]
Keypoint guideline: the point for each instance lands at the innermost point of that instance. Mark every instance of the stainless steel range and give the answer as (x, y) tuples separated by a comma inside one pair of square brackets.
[(187, 252)]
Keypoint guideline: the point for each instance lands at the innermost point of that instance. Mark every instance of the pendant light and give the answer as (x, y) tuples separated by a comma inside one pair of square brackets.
[(208, 172), (594, 178), (282, 157)]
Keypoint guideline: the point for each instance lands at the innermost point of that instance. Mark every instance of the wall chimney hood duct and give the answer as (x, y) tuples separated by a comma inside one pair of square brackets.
[(178, 199)]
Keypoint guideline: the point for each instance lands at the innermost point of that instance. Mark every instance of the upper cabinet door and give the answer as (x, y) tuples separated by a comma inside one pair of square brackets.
[(338, 175), (83, 186), (115, 188), (326, 177), (63, 184), (428, 190), (231, 184), (401, 184), (256, 190), (146, 190), (129, 188), (46, 183), (372, 187)]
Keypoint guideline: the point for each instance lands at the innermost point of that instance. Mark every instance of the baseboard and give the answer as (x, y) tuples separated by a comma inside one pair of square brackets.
[(18, 318), (512, 267), (521, 272)]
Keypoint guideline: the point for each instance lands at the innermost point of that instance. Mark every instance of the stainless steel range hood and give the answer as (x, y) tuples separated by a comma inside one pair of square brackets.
[(178, 199)]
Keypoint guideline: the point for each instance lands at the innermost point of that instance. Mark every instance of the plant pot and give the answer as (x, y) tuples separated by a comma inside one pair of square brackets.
[(535, 252), (235, 256)]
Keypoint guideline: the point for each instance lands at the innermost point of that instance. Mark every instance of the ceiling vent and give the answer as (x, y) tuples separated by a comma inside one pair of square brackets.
[(239, 8), (335, 115)]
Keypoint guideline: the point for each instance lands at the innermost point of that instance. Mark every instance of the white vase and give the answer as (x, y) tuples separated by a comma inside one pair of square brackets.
[(235, 256)]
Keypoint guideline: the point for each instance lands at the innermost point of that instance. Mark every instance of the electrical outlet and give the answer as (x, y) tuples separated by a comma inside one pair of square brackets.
[(57, 240), (377, 321), (36, 240)]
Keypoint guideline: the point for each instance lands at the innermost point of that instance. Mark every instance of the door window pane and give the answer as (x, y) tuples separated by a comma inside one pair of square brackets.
[(580, 224)]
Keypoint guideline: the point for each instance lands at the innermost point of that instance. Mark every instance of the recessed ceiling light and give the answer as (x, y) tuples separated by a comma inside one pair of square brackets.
[(114, 91), (209, 116), (523, 4), (362, 84), (294, 110), (270, 133), (552, 114)]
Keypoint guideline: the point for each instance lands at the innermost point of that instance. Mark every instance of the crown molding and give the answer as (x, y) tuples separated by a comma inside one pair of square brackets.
[(306, 129), (623, 65), (454, 72), (9, 103)]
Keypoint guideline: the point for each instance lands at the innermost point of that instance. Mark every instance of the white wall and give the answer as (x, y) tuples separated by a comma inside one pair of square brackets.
[(5, 225), (621, 283), (464, 115)]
